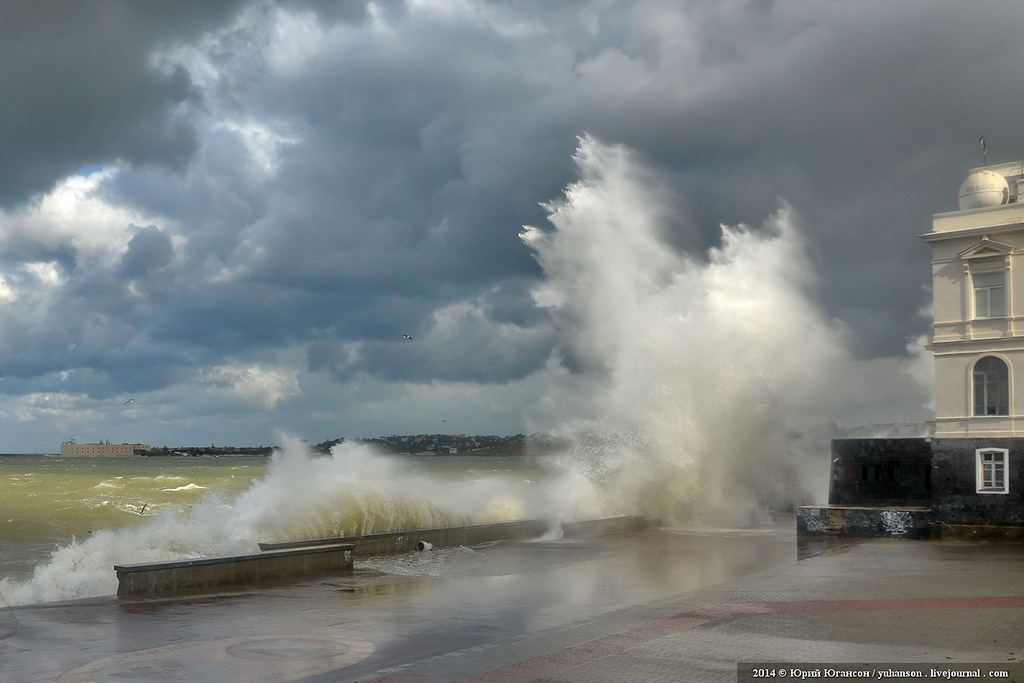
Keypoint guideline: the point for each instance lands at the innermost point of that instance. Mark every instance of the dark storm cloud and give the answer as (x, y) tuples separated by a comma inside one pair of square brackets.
[(149, 250), (328, 176), (864, 115), (79, 89), (396, 196)]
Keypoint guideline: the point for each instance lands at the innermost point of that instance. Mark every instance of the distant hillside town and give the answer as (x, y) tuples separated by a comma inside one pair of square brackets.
[(416, 444), (440, 444)]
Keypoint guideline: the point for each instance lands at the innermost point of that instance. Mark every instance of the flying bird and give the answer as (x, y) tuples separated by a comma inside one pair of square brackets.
[(406, 337), (131, 400)]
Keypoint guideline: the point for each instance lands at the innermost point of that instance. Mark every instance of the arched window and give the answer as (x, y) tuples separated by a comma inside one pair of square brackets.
[(991, 387)]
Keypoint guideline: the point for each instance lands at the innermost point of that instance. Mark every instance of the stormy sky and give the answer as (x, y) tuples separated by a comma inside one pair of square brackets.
[(233, 211)]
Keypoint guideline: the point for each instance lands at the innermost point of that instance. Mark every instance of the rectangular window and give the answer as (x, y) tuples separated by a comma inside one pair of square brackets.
[(993, 470), (990, 295)]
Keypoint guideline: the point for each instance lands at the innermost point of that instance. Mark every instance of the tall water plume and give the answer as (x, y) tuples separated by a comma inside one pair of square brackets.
[(696, 384), (703, 380)]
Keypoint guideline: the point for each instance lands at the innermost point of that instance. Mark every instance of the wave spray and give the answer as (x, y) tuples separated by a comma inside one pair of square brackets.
[(353, 491), (707, 384), (685, 388)]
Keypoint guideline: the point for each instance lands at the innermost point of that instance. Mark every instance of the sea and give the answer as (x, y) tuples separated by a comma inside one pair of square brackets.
[(66, 521)]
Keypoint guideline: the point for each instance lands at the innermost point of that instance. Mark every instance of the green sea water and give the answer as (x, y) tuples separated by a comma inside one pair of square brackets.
[(51, 501), (66, 521)]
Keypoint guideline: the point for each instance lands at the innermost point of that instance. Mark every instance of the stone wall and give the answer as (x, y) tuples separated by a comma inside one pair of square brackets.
[(878, 485), (955, 499), (881, 472), (863, 522)]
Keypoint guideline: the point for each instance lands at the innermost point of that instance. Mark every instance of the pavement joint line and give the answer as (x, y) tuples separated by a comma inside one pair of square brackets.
[(535, 669)]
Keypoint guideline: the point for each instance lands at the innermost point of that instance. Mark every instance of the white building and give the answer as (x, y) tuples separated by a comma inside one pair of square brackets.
[(978, 288)]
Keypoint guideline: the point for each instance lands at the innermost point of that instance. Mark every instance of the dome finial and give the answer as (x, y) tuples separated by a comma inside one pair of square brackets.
[(983, 188)]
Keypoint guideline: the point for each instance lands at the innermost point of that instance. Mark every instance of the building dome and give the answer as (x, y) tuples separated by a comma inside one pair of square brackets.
[(982, 189)]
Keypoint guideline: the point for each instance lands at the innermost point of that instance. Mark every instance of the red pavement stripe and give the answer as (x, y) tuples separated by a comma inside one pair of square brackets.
[(894, 604), (534, 669)]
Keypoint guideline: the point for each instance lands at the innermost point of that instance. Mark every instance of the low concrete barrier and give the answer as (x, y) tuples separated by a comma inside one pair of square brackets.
[(296, 559), (189, 577), (406, 541)]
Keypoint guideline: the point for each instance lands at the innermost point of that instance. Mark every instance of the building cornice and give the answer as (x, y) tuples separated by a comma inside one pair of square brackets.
[(983, 232)]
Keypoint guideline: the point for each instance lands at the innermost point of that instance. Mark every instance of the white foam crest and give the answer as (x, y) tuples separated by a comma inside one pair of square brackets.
[(186, 487), (697, 372), (353, 491)]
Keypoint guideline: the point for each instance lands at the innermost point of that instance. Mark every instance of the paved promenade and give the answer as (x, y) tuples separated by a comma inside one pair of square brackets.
[(652, 606)]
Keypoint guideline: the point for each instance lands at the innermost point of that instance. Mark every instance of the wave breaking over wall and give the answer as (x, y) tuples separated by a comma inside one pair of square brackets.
[(689, 388), (707, 384), (353, 491)]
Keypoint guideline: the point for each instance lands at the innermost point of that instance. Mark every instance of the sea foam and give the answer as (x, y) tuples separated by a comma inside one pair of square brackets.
[(692, 387), (353, 491)]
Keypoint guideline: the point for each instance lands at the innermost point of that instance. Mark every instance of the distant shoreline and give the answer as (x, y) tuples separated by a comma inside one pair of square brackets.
[(417, 445)]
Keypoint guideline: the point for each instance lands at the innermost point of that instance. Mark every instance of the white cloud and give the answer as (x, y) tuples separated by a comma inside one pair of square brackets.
[(263, 140), (252, 383), (76, 214), (7, 292), (60, 409), (294, 41)]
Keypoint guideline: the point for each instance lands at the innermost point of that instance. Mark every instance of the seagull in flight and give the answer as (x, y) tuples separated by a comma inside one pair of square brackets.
[(406, 337), (131, 400)]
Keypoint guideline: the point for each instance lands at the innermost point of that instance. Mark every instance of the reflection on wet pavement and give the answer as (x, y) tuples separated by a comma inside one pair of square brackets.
[(389, 612)]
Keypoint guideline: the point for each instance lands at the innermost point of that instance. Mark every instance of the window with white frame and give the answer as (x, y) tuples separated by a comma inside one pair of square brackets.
[(990, 294), (993, 470), (991, 387)]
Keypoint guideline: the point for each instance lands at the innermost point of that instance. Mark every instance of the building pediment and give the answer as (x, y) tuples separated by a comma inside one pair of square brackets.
[(986, 248)]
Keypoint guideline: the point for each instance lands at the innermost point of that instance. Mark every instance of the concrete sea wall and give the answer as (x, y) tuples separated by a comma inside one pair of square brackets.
[(188, 577), (318, 557), (406, 541)]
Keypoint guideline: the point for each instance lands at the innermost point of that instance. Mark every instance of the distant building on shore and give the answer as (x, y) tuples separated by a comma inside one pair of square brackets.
[(97, 449)]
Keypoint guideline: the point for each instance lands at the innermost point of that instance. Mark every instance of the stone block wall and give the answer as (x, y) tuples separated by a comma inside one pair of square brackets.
[(955, 499), (881, 472), (863, 522)]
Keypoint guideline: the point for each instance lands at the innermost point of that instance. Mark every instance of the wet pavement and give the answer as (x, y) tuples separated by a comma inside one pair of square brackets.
[(659, 605)]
